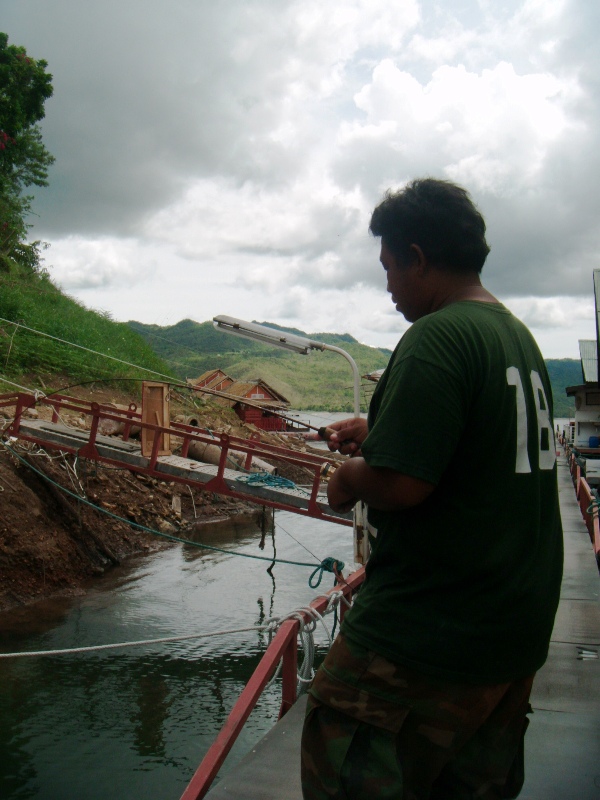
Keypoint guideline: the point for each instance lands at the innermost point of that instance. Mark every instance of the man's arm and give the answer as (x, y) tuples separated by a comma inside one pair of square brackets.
[(378, 487)]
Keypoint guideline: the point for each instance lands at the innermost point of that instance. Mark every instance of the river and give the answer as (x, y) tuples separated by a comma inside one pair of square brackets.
[(136, 722)]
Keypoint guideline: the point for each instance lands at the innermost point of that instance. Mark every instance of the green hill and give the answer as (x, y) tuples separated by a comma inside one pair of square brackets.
[(564, 372), (30, 302), (319, 381)]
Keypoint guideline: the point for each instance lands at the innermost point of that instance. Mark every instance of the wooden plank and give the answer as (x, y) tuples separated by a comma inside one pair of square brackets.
[(562, 745), (155, 410), (561, 757)]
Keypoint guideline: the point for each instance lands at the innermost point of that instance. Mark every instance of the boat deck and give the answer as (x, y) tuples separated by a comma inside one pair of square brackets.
[(563, 739)]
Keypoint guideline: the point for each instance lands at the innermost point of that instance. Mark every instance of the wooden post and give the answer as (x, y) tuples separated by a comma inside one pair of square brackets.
[(155, 411)]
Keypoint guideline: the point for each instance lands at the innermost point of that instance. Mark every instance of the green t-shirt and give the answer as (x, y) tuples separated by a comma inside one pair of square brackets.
[(466, 584)]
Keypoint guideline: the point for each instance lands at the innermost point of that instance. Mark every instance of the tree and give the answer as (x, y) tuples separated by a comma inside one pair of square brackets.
[(24, 161)]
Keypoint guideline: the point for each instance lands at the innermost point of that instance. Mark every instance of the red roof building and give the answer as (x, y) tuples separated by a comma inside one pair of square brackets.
[(264, 401)]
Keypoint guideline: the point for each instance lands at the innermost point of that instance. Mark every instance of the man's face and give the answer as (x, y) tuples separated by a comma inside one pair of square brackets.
[(403, 285)]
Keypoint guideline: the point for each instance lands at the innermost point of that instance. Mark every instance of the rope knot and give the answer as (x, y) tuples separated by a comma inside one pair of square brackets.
[(328, 564)]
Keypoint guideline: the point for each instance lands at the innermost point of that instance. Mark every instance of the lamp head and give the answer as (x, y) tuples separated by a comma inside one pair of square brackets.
[(266, 335)]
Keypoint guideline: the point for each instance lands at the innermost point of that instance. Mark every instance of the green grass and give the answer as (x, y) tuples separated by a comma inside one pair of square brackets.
[(35, 302)]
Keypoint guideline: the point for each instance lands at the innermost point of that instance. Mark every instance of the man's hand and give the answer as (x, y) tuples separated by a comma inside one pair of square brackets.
[(346, 436), (378, 487)]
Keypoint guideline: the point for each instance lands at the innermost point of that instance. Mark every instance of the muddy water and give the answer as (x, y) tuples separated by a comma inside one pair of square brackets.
[(135, 722)]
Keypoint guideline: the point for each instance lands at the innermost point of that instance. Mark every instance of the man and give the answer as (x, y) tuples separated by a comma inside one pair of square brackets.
[(425, 692)]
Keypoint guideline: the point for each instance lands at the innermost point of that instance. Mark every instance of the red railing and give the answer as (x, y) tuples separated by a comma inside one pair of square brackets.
[(587, 502), (284, 646), (187, 434)]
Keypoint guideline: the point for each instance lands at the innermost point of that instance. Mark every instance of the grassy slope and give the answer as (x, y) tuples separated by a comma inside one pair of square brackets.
[(36, 302)]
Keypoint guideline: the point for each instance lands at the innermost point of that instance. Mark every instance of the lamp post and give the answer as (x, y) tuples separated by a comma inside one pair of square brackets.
[(287, 341), (303, 346)]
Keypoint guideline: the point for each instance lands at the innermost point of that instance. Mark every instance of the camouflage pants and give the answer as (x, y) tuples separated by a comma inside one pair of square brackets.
[(374, 729)]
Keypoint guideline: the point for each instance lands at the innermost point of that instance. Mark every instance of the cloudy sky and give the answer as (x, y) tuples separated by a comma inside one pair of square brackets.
[(224, 157)]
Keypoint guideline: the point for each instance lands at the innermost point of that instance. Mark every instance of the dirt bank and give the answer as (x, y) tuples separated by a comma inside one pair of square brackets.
[(52, 543)]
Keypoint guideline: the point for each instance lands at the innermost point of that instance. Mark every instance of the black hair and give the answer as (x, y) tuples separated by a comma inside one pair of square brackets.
[(440, 218)]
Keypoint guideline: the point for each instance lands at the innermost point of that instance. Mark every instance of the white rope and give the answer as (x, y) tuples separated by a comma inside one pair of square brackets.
[(6, 423), (37, 393), (271, 625), (87, 349), (314, 618), (335, 598), (140, 643), (31, 449), (306, 634), (65, 423), (306, 671)]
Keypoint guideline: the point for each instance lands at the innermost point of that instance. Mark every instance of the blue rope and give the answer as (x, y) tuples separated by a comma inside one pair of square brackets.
[(328, 564), (264, 479), (595, 504), (172, 538)]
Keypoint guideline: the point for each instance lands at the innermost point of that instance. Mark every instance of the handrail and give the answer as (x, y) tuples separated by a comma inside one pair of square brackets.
[(283, 646), (23, 401), (588, 504), (187, 434)]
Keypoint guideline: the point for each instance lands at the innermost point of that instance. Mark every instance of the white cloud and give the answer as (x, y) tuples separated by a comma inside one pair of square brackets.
[(552, 312), (217, 157), (81, 263), (272, 237), (491, 130)]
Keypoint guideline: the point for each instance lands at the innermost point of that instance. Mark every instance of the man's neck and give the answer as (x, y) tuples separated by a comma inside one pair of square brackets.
[(456, 288)]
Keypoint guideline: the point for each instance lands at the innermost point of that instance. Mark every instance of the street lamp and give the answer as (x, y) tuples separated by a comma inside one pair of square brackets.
[(303, 345), (288, 341)]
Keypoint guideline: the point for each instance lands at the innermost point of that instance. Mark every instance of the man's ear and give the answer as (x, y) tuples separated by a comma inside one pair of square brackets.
[(418, 258)]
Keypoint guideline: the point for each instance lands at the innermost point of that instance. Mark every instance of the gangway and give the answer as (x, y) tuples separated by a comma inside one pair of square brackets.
[(126, 453)]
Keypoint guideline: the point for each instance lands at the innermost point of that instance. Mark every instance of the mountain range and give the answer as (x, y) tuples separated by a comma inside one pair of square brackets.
[(320, 381)]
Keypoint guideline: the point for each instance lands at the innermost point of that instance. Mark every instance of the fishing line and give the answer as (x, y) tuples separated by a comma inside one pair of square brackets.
[(88, 349), (310, 552)]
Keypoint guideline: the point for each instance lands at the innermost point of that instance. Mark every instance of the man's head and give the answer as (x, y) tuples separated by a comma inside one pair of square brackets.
[(439, 218)]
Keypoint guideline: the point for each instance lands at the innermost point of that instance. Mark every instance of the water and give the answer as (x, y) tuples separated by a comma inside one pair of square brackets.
[(136, 722)]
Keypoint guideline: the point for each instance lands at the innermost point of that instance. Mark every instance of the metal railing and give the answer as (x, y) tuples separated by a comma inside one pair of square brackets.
[(128, 418), (284, 647), (587, 499)]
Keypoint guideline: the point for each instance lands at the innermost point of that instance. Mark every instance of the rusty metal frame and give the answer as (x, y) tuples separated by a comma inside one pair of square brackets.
[(22, 401), (283, 646)]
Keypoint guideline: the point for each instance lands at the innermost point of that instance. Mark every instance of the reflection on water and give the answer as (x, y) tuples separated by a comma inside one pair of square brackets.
[(136, 722)]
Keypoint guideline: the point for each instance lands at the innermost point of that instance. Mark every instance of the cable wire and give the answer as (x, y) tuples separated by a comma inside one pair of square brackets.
[(162, 535)]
